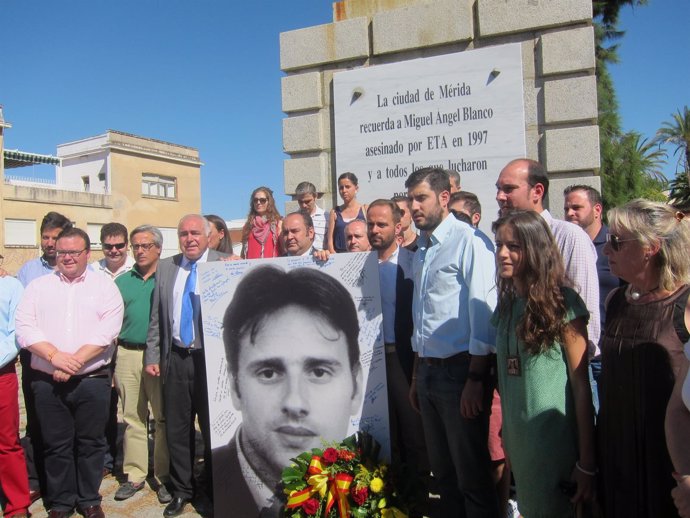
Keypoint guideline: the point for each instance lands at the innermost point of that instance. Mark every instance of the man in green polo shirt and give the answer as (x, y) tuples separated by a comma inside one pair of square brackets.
[(136, 389)]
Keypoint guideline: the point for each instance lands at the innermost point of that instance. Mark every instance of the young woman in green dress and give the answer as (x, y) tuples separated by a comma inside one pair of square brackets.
[(541, 347)]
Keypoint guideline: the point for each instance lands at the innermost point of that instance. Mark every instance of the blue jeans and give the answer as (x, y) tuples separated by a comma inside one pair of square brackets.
[(457, 447)]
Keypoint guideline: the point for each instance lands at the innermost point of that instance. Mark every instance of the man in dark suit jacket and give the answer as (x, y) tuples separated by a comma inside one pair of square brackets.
[(174, 351), (397, 286), (232, 488)]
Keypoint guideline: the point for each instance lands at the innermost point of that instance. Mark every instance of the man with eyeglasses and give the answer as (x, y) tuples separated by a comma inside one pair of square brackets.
[(175, 352), (52, 224), (116, 260), (135, 389), (68, 321)]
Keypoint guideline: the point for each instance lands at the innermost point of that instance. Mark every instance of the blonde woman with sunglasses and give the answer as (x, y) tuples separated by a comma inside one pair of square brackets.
[(647, 323)]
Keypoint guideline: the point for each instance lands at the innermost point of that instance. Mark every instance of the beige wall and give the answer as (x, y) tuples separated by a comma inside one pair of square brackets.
[(22, 207), (129, 157), (131, 208)]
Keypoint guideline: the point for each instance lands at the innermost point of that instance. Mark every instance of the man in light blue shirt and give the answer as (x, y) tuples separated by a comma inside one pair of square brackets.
[(454, 298), (14, 483)]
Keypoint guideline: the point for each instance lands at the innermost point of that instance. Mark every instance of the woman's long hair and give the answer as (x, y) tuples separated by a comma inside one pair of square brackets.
[(542, 274), (272, 214), (225, 245)]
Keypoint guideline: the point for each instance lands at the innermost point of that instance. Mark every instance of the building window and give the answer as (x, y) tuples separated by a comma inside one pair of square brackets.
[(94, 232), (158, 186), (20, 232), (85, 180)]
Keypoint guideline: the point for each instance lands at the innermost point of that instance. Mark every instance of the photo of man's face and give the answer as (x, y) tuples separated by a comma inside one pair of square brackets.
[(294, 386)]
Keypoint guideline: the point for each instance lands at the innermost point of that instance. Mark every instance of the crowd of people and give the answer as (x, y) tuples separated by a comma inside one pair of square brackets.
[(551, 355)]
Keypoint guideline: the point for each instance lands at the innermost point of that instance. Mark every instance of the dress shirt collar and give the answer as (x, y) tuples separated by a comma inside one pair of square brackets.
[(547, 216), (70, 281), (186, 262), (393, 258), (45, 264), (441, 232)]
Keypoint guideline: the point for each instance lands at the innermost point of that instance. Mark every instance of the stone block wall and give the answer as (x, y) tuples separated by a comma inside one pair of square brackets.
[(560, 100)]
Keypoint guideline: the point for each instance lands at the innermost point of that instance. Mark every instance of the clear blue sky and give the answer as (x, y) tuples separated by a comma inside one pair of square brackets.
[(206, 73)]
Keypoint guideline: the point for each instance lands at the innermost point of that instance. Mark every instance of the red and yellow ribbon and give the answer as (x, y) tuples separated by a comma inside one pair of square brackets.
[(321, 482)]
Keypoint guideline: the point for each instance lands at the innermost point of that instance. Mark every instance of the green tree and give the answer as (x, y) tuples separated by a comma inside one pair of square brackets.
[(635, 170), (679, 195), (630, 166), (677, 133)]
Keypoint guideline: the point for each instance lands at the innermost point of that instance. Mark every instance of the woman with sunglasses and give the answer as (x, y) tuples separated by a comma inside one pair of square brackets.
[(541, 351), (647, 323), (340, 216), (261, 232)]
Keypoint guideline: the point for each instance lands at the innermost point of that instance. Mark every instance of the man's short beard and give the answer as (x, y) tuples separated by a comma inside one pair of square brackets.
[(383, 246), (432, 220)]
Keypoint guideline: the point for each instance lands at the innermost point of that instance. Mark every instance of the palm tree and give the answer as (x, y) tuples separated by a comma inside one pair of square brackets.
[(635, 171), (679, 195), (677, 133)]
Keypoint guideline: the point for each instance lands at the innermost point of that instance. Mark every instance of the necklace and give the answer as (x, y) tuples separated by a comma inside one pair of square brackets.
[(636, 294)]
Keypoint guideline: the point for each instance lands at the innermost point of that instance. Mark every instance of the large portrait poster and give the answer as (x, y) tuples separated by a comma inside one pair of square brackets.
[(294, 358), (461, 111)]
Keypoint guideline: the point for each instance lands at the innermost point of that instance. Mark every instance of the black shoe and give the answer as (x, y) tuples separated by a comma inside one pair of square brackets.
[(176, 506), (128, 490), (164, 496)]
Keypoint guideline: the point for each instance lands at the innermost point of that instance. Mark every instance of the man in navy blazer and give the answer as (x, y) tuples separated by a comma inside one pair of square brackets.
[(396, 285), (175, 351)]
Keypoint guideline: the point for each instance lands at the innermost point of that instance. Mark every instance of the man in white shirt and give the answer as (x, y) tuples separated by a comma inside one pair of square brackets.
[(115, 244), (306, 196), (523, 184)]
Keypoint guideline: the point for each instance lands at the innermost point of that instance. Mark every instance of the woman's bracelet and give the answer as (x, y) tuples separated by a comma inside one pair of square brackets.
[(582, 470), (50, 356)]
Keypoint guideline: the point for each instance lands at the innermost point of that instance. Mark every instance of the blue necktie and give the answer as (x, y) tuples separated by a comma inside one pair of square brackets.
[(187, 314)]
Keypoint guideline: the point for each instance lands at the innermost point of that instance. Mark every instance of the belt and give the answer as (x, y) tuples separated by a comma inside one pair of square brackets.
[(184, 351), (101, 372), (390, 348), (131, 346), (6, 369), (442, 362)]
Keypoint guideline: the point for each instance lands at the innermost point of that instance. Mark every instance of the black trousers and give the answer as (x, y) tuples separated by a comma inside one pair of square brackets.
[(72, 417), (185, 396), (32, 442)]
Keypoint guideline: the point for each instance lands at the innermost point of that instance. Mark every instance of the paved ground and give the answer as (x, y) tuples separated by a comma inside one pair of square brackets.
[(142, 505)]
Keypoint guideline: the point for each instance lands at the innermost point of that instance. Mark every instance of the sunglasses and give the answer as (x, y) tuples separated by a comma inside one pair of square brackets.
[(260, 200), (109, 247), (615, 241)]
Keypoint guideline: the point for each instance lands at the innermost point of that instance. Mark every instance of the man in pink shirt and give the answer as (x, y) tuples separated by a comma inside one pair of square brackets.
[(69, 320)]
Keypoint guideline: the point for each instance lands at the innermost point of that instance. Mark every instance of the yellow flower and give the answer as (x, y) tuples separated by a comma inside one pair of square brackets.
[(376, 485)]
